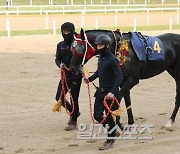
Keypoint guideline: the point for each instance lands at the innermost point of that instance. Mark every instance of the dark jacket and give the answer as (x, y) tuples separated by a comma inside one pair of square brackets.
[(109, 73), (63, 55)]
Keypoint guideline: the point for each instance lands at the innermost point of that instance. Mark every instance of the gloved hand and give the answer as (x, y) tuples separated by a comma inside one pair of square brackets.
[(110, 95), (62, 66)]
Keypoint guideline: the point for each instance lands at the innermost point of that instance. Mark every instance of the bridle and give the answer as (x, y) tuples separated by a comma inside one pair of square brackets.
[(86, 47)]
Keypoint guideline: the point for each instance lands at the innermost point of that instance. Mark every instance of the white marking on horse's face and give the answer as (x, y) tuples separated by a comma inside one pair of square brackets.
[(74, 43)]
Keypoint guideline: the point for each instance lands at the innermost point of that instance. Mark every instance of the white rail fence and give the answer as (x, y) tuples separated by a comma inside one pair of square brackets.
[(83, 9), (104, 9), (92, 2), (96, 23)]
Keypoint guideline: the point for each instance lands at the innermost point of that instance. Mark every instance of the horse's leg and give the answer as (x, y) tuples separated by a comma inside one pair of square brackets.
[(177, 104), (175, 73), (125, 92), (127, 100)]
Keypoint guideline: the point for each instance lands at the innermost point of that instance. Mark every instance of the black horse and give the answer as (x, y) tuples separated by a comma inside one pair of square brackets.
[(133, 68)]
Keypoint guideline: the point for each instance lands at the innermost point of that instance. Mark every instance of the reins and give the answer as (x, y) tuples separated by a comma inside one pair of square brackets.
[(108, 108), (57, 107)]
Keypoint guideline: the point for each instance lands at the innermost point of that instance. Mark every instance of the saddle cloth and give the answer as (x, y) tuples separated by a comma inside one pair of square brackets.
[(147, 47)]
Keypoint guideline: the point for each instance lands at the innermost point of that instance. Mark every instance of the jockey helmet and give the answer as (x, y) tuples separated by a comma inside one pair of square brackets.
[(103, 40)]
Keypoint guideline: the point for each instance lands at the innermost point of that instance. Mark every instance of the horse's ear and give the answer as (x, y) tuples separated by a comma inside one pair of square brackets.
[(82, 34)]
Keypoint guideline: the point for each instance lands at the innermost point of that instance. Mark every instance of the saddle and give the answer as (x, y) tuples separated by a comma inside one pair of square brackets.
[(147, 47)]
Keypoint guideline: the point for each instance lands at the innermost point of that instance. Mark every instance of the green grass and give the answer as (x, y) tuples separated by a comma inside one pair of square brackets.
[(123, 29), (27, 32)]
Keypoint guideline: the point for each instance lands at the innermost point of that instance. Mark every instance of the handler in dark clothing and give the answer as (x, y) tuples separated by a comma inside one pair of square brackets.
[(63, 58), (110, 79)]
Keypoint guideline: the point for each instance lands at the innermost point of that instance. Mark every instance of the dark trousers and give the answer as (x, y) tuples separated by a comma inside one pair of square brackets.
[(99, 109), (75, 89)]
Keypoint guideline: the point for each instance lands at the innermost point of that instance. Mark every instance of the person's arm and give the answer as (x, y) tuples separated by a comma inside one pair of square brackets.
[(118, 74), (91, 78), (58, 58), (94, 76)]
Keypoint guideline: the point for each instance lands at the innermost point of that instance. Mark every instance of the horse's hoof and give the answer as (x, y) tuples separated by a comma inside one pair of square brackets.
[(169, 123)]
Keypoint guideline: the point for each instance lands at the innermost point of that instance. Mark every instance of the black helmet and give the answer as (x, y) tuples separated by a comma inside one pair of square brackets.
[(103, 39), (68, 26)]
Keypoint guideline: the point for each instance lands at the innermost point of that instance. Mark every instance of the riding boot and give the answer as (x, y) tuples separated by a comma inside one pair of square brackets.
[(108, 144), (72, 125)]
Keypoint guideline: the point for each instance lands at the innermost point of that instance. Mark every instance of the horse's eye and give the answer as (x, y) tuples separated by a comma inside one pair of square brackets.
[(80, 49)]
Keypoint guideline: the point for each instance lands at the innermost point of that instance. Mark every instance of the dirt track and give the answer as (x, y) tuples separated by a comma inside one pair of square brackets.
[(28, 81)]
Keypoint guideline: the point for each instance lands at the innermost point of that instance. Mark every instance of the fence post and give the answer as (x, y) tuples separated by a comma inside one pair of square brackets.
[(82, 21), (109, 2), (96, 22), (134, 24), (147, 21), (8, 28), (30, 2), (84, 9), (41, 10), (170, 24), (128, 2), (7, 3), (101, 2), (162, 1), (91, 2), (46, 22), (116, 19), (63, 9), (177, 17), (125, 9), (17, 11), (54, 26)]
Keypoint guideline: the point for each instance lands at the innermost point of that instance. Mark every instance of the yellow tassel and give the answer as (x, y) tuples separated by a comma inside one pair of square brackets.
[(57, 106), (117, 112), (114, 117)]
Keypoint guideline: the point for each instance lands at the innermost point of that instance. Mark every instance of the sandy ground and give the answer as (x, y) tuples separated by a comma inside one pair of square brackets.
[(28, 82)]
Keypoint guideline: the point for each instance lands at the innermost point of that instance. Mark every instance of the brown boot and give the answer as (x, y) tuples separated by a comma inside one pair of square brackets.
[(71, 126), (108, 144), (70, 119)]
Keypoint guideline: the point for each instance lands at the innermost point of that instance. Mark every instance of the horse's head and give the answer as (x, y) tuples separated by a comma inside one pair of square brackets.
[(82, 51)]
